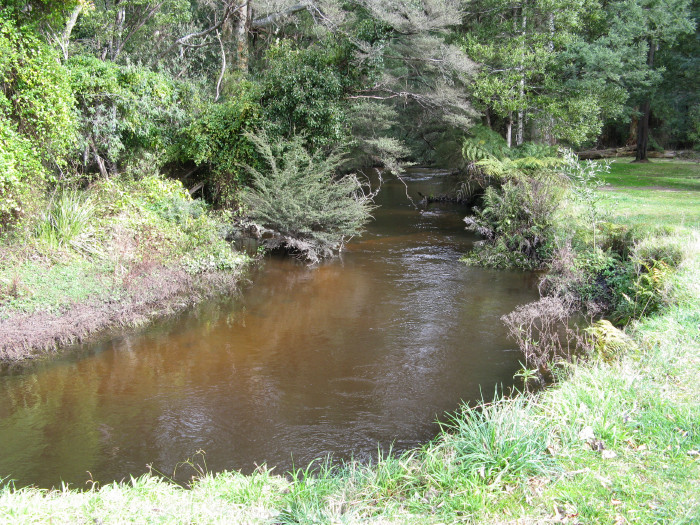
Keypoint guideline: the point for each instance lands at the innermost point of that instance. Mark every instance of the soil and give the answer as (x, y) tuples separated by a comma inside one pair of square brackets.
[(156, 293)]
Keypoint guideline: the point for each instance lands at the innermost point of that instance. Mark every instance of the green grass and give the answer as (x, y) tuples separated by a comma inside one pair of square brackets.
[(615, 442), (656, 194), (662, 173), (47, 285)]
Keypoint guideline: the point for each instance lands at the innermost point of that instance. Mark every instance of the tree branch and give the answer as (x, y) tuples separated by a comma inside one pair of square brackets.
[(271, 19), (223, 66), (230, 9)]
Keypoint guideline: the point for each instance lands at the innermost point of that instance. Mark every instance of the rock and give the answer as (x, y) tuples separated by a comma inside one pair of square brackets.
[(586, 433)]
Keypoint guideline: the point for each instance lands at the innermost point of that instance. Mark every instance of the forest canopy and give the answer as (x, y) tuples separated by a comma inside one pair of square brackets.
[(91, 89)]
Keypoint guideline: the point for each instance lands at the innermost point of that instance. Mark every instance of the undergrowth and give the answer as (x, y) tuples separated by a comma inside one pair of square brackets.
[(118, 252)]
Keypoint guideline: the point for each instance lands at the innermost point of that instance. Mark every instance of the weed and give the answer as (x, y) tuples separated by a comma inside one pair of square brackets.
[(503, 441), (67, 223)]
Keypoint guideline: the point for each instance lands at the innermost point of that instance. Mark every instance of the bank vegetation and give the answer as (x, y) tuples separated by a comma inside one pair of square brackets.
[(137, 138)]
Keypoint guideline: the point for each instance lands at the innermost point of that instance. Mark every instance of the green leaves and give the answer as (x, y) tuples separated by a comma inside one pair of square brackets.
[(297, 196), (37, 124), (303, 91)]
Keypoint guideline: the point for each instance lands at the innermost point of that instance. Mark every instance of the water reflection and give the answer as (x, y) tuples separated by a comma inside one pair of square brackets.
[(361, 352)]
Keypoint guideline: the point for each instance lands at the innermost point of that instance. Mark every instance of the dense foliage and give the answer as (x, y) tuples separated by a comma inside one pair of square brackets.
[(296, 194), (129, 115), (139, 87)]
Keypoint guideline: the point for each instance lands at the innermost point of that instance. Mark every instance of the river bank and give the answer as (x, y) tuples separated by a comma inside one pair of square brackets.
[(116, 255), (613, 441), (157, 292)]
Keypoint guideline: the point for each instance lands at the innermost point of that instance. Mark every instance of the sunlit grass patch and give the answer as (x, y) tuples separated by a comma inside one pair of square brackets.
[(659, 173), (42, 284), (655, 194), (652, 208)]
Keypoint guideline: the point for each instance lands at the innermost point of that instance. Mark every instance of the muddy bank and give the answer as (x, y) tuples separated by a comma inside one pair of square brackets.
[(158, 292)]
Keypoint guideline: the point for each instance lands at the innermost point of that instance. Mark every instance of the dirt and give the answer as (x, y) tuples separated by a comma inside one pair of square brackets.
[(158, 292)]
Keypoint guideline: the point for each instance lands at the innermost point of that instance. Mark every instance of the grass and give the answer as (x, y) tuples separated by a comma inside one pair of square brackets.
[(112, 244), (660, 193), (660, 173), (613, 442), (66, 222), (44, 285)]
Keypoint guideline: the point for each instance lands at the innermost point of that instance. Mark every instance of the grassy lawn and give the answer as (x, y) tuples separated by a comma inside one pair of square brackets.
[(658, 193), (662, 173)]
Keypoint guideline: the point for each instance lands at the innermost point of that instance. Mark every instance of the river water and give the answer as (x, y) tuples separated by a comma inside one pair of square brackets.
[(360, 354)]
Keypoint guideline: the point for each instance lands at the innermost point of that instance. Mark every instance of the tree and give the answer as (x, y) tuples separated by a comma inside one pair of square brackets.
[(394, 54), (624, 36), (37, 125), (676, 102), (649, 24), (533, 74)]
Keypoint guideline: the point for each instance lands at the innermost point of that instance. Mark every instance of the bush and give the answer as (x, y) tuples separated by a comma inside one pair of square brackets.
[(312, 212), (624, 288), (517, 221), (217, 141), (303, 92), (541, 330), (37, 125), (128, 113)]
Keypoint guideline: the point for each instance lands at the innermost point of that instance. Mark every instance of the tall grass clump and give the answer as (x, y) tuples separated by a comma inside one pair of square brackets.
[(66, 222), (501, 441)]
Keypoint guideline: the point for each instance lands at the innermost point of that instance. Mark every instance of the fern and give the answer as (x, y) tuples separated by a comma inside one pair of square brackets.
[(609, 342), (483, 143)]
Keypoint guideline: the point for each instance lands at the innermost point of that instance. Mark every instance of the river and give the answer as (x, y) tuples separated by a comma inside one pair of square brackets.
[(360, 354)]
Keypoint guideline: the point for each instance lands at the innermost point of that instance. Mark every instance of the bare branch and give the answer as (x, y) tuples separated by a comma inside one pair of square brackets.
[(135, 29), (223, 66), (274, 17), (231, 8)]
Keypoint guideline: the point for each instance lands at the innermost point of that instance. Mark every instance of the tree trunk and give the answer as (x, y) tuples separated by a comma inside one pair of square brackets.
[(242, 30), (509, 130), (643, 125), (64, 40), (520, 132), (634, 124)]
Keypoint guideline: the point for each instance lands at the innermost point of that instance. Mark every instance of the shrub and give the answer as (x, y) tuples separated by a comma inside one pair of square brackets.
[(541, 330), (604, 282), (645, 294), (585, 183), (312, 212), (129, 115), (217, 141), (37, 125), (517, 221)]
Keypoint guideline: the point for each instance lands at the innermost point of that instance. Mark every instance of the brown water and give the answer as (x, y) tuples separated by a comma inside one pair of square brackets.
[(362, 353)]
